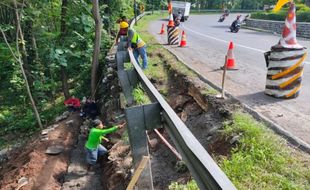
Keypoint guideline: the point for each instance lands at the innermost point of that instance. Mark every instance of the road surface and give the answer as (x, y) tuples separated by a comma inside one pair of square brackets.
[(208, 42)]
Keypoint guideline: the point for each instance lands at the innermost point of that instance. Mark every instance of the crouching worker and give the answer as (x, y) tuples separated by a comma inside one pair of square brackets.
[(93, 147), (89, 109)]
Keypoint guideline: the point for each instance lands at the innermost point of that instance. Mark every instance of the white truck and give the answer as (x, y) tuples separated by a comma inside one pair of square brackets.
[(183, 7)]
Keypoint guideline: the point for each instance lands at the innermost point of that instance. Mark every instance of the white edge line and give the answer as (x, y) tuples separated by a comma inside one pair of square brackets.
[(224, 41)]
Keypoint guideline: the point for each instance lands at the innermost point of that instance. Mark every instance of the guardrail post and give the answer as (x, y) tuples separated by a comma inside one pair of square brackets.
[(122, 46), (121, 58), (138, 121), (137, 124)]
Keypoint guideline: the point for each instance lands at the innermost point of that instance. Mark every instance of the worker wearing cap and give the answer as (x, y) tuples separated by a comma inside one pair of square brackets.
[(93, 146), (138, 46), (123, 23)]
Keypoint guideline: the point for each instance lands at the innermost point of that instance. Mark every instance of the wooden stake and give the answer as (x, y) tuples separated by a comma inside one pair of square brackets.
[(224, 77), (137, 173)]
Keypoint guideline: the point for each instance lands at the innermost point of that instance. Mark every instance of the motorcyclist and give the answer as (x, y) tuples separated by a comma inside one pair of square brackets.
[(233, 25), (224, 15), (226, 12)]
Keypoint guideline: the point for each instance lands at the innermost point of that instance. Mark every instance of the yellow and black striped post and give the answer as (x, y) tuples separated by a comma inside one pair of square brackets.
[(173, 35), (285, 69)]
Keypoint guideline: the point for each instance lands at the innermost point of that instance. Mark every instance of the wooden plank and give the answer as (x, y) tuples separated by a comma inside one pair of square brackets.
[(138, 172)]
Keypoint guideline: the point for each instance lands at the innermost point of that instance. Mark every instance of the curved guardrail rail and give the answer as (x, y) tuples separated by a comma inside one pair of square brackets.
[(201, 165)]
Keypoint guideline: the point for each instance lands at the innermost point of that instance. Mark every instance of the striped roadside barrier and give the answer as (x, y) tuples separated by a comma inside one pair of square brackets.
[(285, 71), (285, 62), (173, 35)]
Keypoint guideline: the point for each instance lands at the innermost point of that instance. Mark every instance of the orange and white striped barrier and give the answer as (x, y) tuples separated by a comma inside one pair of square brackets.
[(172, 32), (173, 35)]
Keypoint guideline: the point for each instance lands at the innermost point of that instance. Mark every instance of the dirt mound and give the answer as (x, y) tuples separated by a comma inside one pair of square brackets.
[(117, 169), (41, 170)]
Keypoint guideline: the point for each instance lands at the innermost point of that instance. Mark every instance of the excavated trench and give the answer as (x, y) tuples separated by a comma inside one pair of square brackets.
[(203, 115)]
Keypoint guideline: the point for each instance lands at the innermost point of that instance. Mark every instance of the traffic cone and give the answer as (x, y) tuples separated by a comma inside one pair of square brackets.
[(183, 40), (171, 22), (170, 8), (162, 31), (288, 39), (230, 65)]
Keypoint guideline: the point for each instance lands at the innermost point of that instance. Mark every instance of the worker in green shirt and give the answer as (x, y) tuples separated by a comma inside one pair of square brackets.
[(93, 146)]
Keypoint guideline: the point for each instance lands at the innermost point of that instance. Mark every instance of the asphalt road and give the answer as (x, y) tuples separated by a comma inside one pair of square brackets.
[(208, 42)]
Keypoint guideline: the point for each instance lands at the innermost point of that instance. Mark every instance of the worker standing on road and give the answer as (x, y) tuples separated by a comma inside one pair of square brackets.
[(178, 19), (123, 27), (93, 146), (138, 46)]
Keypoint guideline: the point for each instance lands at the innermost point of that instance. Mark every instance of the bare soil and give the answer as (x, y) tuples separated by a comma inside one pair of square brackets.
[(43, 171)]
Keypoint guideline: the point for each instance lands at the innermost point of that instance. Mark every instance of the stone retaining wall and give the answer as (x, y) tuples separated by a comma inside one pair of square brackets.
[(303, 28)]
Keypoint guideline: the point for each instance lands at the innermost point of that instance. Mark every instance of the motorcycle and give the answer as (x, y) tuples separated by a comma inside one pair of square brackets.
[(222, 18), (235, 26)]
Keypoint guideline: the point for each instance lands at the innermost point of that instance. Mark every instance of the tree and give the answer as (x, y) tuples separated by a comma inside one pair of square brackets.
[(18, 58), (95, 62), (64, 77)]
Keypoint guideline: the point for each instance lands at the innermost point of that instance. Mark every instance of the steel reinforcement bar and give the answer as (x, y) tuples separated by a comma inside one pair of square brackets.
[(204, 169)]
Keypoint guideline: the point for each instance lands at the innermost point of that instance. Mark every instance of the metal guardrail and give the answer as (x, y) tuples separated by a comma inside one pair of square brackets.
[(201, 165)]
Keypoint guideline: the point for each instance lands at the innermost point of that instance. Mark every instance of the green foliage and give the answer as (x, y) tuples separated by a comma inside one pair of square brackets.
[(72, 49), (302, 14), (302, 8), (128, 66), (191, 185), (18, 122), (140, 96), (280, 16), (262, 160)]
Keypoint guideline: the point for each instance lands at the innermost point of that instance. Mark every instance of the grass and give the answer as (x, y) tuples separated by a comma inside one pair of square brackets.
[(209, 91), (128, 66), (261, 160), (140, 96), (160, 60), (157, 49), (191, 185)]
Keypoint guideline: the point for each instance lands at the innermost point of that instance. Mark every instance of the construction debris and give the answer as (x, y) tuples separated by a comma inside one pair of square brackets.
[(54, 150), (65, 115)]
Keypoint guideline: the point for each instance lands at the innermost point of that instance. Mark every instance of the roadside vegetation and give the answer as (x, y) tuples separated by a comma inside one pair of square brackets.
[(56, 48), (263, 160), (140, 95), (260, 159), (302, 14)]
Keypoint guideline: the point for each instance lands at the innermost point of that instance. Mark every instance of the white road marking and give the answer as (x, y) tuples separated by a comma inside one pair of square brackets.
[(224, 41)]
